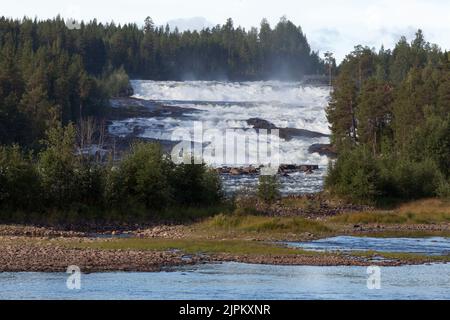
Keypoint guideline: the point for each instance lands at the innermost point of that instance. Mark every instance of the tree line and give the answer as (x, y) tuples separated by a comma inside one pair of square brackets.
[(222, 52), (390, 120), (52, 74)]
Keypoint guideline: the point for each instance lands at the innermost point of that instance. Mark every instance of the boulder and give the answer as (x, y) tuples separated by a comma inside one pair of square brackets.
[(324, 150), (235, 172), (285, 133)]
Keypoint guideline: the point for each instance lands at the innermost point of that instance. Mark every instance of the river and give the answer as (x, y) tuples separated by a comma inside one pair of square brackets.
[(229, 106), (237, 281)]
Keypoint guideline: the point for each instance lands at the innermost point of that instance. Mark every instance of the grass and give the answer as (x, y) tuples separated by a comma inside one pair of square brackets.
[(403, 256), (261, 224), (242, 247), (131, 215), (430, 211), (190, 246), (193, 213)]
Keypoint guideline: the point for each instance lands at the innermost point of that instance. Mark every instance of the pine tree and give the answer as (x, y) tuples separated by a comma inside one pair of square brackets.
[(341, 111), (374, 113)]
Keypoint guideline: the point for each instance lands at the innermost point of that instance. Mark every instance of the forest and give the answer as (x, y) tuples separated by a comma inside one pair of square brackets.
[(389, 112), (56, 82), (50, 73), (390, 121)]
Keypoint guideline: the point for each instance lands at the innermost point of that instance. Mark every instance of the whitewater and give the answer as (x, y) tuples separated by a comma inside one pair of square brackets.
[(229, 105)]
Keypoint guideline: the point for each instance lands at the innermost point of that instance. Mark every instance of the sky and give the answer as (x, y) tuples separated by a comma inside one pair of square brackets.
[(335, 25)]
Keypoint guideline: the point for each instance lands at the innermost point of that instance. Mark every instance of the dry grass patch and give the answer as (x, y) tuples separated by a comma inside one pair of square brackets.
[(263, 224), (428, 211)]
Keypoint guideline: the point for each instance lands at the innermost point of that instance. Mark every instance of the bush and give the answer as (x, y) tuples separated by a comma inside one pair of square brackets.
[(355, 175), (195, 184), (246, 202), (57, 167), (140, 179), (117, 83), (90, 179), (19, 180), (269, 189), (360, 177), (415, 180), (63, 184), (444, 190)]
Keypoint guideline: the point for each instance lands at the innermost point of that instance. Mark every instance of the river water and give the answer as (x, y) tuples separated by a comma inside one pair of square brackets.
[(434, 246), (237, 281), (246, 281), (226, 106)]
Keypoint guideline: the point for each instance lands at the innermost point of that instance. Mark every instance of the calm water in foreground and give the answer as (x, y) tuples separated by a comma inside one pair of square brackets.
[(237, 281)]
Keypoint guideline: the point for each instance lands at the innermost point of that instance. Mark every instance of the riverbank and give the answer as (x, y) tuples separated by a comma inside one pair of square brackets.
[(20, 254), (223, 238)]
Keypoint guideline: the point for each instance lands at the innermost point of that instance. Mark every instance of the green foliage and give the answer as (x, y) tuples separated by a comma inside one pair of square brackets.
[(195, 184), (52, 75), (140, 179), (19, 180), (354, 175), (431, 139), (58, 166), (361, 177), (398, 146), (268, 189), (443, 190), (117, 83), (414, 180), (374, 112), (66, 186), (246, 202), (146, 177)]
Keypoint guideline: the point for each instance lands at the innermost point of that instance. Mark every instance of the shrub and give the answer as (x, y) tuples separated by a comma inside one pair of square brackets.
[(355, 175), (361, 177), (268, 189), (63, 184), (414, 180), (195, 184), (90, 179), (140, 178), (211, 187), (117, 83), (57, 167), (19, 180), (246, 202), (443, 190)]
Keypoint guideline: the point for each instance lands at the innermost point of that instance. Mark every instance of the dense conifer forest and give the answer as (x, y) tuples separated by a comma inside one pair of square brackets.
[(50, 72), (389, 113), (390, 119)]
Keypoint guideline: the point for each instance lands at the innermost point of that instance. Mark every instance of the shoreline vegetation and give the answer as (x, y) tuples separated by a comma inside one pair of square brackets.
[(254, 239), (390, 121)]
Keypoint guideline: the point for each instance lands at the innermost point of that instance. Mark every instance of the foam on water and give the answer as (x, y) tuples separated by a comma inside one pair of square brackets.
[(228, 105), (255, 91)]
